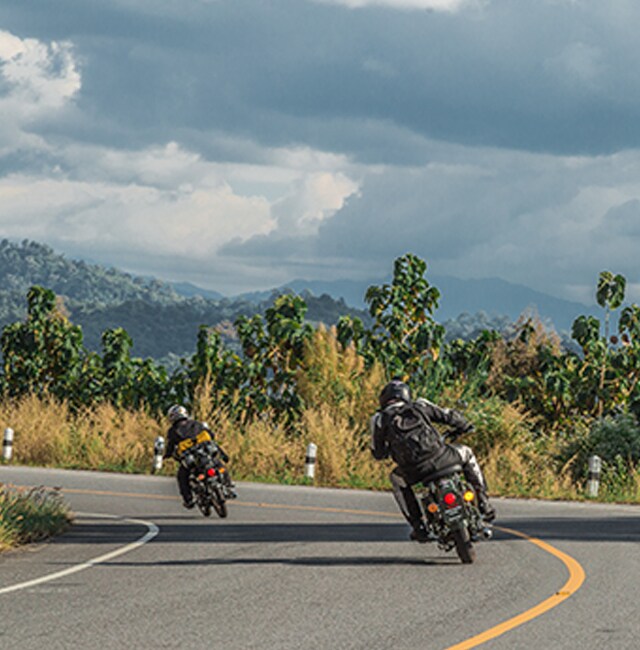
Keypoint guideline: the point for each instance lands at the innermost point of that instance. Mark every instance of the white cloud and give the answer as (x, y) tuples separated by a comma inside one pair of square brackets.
[(434, 5), (313, 200), (105, 217), (168, 201), (39, 76)]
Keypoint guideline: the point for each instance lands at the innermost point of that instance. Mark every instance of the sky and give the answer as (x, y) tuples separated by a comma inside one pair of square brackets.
[(239, 144)]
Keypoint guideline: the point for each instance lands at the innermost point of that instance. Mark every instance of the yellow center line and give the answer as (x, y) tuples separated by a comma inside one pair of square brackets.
[(574, 582), (246, 504), (576, 578)]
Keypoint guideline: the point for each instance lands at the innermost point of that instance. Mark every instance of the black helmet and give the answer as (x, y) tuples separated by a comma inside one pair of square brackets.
[(395, 390)]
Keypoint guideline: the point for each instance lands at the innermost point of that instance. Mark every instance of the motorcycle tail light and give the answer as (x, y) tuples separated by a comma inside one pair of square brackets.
[(211, 472), (450, 499), (432, 508), (469, 496)]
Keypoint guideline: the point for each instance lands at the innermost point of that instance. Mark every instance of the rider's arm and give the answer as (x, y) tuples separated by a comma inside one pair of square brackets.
[(450, 417), (379, 446), (171, 445)]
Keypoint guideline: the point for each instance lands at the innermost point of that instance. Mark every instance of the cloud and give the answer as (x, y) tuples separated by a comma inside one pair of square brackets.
[(547, 222), (37, 75), (143, 207), (241, 144), (435, 5)]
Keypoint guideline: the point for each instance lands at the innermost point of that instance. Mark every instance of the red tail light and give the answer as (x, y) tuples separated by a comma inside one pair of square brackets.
[(211, 472), (450, 499)]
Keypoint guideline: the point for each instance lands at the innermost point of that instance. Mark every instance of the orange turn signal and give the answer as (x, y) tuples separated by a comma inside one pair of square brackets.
[(432, 508), (469, 496)]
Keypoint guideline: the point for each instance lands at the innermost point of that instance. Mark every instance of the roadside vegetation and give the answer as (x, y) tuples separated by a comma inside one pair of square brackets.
[(31, 515), (539, 409)]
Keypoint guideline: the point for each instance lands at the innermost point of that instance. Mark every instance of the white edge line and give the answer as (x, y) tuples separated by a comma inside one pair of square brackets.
[(147, 537)]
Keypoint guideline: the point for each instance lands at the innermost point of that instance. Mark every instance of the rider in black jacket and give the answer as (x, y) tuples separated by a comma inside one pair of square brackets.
[(182, 428), (393, 396)]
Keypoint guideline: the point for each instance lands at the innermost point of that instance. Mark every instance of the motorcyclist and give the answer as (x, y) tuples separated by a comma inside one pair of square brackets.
[(182, 428), (393, 396)]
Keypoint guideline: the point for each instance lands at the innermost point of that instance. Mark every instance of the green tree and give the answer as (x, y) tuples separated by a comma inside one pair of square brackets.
[(43, 353), (273, 349), (405, 337)]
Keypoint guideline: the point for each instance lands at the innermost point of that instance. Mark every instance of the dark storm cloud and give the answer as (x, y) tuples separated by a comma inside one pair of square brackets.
[(544, 76), (254, 141)]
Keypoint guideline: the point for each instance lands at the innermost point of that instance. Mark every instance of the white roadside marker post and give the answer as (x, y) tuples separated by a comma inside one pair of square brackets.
[(310, 461), (7, 444), (593, 482), (158, 451)]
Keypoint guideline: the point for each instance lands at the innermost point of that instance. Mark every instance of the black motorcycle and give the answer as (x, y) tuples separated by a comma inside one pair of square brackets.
[(209, 479), (452, 514)]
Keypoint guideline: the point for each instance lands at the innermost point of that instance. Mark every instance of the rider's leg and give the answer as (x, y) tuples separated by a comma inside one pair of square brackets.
[(408, 504), (184, 487), (474, 475)]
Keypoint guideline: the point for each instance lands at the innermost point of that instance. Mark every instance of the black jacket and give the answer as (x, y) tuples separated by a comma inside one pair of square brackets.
[(181, 430), (445, 456)]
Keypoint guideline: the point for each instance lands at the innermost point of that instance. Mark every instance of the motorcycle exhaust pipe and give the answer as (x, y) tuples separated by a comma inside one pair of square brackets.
[(487, 533)]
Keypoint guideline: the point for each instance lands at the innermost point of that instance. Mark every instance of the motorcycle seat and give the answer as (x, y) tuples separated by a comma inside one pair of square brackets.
[(441, 473)]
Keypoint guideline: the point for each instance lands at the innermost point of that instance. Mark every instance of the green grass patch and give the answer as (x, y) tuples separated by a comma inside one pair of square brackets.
[(30, 515)]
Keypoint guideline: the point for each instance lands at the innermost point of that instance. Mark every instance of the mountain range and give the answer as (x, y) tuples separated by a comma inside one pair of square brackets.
[(163, 317), (492, 296)]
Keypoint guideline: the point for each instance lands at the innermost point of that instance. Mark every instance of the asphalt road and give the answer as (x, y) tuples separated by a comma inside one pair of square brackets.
[(309, 568)]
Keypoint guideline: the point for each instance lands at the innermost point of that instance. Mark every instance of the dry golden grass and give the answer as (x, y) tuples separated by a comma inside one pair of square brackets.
[(515, 459), (343, 457), (47, 433), (260, 449), (337, 378), (509, 473), (42, 429)]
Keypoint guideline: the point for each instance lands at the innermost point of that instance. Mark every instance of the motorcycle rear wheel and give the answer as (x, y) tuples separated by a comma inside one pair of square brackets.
[(219, 503), (464, 546)]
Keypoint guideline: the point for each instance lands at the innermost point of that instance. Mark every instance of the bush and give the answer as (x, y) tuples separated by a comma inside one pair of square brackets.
[(30, 515), (616, 439)]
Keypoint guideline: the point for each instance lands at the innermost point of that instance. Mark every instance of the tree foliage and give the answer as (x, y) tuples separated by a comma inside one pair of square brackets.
[(280, 360)]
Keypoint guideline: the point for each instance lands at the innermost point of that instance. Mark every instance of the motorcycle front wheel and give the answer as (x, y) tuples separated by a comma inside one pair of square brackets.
[(204, 503), (464, 546)]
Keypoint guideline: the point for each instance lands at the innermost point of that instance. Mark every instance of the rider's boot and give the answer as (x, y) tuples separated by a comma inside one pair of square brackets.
[(231, 487), (420, 533), (486, 509)]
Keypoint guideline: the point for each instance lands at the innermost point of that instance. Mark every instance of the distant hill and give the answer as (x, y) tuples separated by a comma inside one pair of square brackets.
[(161, 318), (494, 297), (189, 290)]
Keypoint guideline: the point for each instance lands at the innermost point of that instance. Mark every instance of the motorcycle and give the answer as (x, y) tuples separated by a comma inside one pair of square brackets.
[(209, 479), (452, 513)]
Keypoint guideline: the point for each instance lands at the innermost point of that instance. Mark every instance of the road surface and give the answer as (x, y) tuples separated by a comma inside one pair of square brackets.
[(298, 567)]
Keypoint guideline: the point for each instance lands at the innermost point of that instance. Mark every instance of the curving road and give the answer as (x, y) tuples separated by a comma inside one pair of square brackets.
[(312, 568)]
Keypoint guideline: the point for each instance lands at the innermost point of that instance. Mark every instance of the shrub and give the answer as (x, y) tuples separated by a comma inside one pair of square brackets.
[(616, 439), (30, 515)]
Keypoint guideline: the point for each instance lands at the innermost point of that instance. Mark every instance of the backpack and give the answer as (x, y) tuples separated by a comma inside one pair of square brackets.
[(410, 436)]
